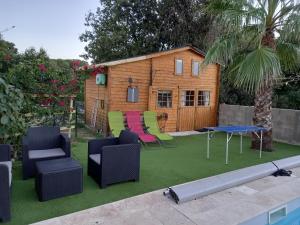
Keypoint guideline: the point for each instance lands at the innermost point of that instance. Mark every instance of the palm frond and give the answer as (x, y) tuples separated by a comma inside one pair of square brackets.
[(290, 30), (236, 14), (221, 51), (289, 55), (260, 66)]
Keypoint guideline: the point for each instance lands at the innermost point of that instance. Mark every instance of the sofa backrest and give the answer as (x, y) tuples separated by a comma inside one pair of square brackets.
[(40, 138), (128, 137)]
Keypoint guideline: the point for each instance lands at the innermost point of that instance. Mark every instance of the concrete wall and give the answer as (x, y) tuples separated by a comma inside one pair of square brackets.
[(286, 122)]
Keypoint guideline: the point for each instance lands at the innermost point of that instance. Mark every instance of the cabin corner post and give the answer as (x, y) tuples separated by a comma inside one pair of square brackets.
[(218, 94)]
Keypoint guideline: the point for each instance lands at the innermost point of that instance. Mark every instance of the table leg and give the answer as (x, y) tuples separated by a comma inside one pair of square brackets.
[(241, 143), (261, 142), (226, 160)]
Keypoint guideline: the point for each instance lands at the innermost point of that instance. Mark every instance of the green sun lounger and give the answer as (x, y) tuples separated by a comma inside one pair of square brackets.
[(116, 123), (150, 119)]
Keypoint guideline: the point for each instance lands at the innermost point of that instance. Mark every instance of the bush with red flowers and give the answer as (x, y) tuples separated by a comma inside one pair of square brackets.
[(48, 85)]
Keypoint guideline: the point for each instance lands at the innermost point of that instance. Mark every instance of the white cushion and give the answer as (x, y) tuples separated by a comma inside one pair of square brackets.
[(9, 165), (38, 154), (96, 158)]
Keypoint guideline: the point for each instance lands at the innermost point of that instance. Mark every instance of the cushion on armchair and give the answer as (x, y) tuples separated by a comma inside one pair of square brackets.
[(96, 158), (43, 137), (38, 154), (9, 165), (127, 137)]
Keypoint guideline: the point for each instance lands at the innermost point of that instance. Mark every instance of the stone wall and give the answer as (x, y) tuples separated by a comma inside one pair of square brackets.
[(286, 122)]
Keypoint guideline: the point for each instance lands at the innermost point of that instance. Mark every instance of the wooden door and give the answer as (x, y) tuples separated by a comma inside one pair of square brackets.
[(204, 112), (186, 109)]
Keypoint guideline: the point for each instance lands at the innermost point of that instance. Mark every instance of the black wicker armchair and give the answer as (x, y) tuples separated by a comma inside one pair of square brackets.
[(43, 143), (5, 182), (113, 160)]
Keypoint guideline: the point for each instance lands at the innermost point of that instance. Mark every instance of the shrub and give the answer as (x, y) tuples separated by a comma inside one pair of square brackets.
[(11, 119)]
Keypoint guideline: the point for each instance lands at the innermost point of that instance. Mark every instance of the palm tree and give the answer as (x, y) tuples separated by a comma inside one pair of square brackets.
[(259, 38)]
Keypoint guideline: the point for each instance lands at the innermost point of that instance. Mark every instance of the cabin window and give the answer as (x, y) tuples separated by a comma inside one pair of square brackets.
[(164, 99), (187, 98), (203, 98), (195, 68), (178, 66)]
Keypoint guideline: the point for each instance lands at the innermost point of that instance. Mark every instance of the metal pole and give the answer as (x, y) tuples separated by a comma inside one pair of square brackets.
[(76, 119), (261, 140), (241, 143), (208, 139), (226, 161)]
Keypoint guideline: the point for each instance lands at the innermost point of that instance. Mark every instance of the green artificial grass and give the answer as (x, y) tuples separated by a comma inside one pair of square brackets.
[(160, 168)]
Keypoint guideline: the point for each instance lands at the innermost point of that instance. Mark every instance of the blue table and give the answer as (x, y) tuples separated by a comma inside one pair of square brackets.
[(230, 130)]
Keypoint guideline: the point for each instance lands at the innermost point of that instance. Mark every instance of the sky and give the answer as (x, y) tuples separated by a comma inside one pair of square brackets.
[(54, 25)]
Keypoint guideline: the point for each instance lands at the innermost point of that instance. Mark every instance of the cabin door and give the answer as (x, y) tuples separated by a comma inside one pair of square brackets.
[(203, 111), (194, 111), (186, 110)]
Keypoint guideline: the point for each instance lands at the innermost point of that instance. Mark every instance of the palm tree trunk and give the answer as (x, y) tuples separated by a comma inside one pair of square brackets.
[(263, 102), (263, 117)]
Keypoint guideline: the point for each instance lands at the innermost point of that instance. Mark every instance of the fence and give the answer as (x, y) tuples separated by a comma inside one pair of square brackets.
[(286, 122)]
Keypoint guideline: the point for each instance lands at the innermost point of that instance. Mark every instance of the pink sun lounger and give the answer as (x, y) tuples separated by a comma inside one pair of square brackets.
[(135, 125)]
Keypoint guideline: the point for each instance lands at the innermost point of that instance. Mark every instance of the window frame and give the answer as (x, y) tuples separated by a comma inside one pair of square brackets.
[(167, 101), (199, 67), (175, 72), (185, 100), (203, 101)]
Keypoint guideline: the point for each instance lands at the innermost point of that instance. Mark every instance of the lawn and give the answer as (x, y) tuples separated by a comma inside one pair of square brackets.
[(160, 168)]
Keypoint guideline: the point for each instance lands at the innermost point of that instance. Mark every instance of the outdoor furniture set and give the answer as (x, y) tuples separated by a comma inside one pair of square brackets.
[(46, 155)]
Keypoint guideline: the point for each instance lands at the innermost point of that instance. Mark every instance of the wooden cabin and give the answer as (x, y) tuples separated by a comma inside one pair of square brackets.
[(173, 83)]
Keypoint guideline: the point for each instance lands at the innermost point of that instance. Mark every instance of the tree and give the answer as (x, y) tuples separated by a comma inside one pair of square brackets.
[(8, 53), (181, 23), (121, 29), (126, 28), (262, 37)]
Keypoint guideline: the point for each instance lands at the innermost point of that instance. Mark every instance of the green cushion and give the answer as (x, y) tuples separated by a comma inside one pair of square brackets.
[(116, 122), (153, 128)]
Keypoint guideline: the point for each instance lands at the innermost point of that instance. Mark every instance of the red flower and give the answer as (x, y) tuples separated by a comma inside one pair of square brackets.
[(61, 103), (62, 87), (86, 66), (54, 81), (75, 64), (97, 70), (42, 68), (73, 82), (46, 102)]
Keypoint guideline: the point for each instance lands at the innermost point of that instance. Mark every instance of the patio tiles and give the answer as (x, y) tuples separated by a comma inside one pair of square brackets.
[(231, 206)]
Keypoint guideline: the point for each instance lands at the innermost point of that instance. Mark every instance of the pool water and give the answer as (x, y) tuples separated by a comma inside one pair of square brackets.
[(293, 218)]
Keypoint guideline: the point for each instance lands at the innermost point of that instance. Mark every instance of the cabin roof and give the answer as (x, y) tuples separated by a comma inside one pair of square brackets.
[(148, 56)]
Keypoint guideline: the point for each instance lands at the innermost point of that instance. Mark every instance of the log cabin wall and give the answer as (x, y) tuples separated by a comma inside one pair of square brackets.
[(92, 93), (139, 72), (164, 78)]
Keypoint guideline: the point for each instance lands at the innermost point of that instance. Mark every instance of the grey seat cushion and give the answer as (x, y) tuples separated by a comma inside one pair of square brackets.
[(47, 153), (9, 165), (96, 158)]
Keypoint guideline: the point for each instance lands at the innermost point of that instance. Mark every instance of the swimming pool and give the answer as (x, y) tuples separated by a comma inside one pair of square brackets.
[(293, 218), (286, 214)]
